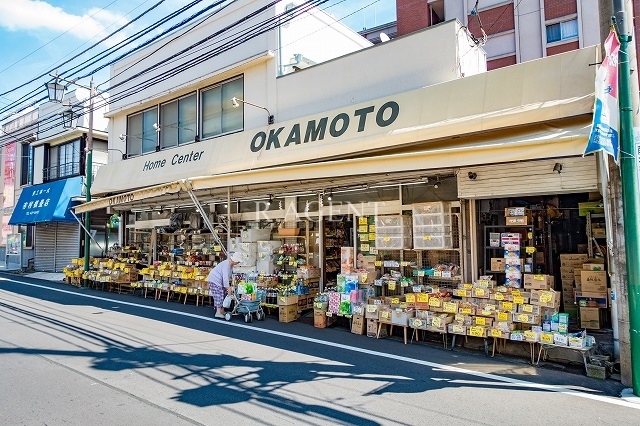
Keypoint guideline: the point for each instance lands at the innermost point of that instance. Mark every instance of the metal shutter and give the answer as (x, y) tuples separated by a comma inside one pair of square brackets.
[(578, 174), (56, 244)]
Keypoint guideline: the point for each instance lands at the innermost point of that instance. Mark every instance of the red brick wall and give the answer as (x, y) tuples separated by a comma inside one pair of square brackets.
[(566, 47), (494, 20), (411, 15), (502, 62), (559, 8)]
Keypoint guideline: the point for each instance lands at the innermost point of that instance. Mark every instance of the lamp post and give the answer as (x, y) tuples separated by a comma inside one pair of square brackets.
[(56, 93)]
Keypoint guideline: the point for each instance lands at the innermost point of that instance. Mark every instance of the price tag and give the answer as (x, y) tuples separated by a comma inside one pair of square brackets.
[(545, 297), (436, 322), (515, 293), (503, 316), (422, 297), (538, 277), (403, 306), (386, 239), (450, 307), (391, 285), (466, 311), (496, 333), (523, 318), (377, 263), (217, 248), (507, 306), (483, 283), (527, 308), (435, 302), (371, 308), (363, 220), (395, 300), (547, 337), (528, 334), (476, 331), (446, 274), (421, 273), (385, 314), (404, 263), (480, 321), (364, 277), (530, 249), (426, 237), (364, 247), (372, 228), (371, 249), (363, 229), (518, 300), (499, 296), (437, 273), (462, 293), (364, 237), (468, 286), (459, 318), (479, 291), (410, 298), (457, 329), (372, 236), (404, 284), (529, 235)]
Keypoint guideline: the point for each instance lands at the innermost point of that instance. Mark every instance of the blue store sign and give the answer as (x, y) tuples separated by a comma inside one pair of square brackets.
[(47, 202)]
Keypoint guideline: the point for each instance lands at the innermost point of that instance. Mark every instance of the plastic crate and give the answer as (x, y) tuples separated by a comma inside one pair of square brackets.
[(396, 220), (432, 219), (432, 242), (393, 242), (394, 230), (431, 230), (431, 208)]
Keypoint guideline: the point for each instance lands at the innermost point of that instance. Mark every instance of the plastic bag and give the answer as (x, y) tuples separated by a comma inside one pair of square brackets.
[(226, 303)]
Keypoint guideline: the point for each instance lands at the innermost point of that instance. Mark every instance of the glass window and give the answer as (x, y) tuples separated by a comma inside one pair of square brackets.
[(562, 31), (64, 161), (27, 235), (141, 135), (218, 114), (178, 122), (25, 164)]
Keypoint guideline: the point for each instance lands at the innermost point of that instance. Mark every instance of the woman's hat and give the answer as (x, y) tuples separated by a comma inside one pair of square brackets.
[(236, 257)]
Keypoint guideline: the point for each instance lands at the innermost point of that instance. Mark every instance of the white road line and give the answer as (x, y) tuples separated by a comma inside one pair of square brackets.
[(521, 383)]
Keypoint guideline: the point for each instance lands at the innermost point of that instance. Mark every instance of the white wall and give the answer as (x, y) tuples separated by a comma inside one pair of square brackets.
[(421, 59), (590, 22), (528, 23)]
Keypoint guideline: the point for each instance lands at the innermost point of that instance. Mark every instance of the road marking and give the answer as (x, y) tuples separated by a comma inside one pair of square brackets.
[(443, 367)]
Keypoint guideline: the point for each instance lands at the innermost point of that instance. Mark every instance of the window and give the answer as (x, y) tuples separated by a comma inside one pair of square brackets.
[(64, 161), (25, 164), (562, 31), (141, 136), (218, 114), (27, 235), (178, 122)]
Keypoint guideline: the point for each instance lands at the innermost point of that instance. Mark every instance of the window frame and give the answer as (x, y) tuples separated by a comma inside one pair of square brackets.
[(75, 163), (132, 138), (177, 127), (26, 167), (220, 84), (559, 22)]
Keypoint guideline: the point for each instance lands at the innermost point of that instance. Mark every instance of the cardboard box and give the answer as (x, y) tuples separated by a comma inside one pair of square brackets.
[(288, 300), (288, 313), (517, 220), (516, 211), (418, 323), (560, 340), (319, 318), (592, 300), (372, 328), (347, 260), (527, 318), (538, 281), (572, 259), (358, 324), (594, 281), (372, 312), (497, 264), (595, 207), (401, 317), (593, 266), (477, 331), (590, 318), (545, 298), (457, 329)]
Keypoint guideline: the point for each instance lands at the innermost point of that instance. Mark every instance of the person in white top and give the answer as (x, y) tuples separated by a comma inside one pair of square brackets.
[(219, 279)]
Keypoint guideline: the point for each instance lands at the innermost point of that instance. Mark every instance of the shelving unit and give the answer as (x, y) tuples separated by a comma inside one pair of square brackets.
[(202, 246), (139, 246), (596, 234), (335, 237)]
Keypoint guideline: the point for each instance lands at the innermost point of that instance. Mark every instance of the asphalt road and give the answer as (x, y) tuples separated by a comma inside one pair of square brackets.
[(79, 356)]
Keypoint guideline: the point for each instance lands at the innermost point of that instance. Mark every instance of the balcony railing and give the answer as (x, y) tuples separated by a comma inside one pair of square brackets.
[(61, 171)]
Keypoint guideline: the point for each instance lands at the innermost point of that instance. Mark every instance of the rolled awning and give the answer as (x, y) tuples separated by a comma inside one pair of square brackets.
[(47, 202)]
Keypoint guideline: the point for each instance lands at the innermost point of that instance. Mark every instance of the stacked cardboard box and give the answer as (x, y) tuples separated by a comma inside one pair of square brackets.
[(512, 266), (570, 268)]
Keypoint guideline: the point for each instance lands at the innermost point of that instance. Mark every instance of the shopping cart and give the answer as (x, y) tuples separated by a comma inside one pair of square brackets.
[(244, 307)]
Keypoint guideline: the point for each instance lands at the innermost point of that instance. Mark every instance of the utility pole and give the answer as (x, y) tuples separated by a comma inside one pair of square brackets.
[(630, 188), (88, 178)]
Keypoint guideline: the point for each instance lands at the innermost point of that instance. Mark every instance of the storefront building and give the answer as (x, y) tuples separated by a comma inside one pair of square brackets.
[(229, 150)]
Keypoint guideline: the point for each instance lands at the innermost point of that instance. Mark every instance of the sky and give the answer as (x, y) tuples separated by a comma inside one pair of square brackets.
[(36, 36)]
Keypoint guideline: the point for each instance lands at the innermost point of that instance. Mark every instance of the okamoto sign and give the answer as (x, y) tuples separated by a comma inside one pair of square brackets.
[(317, 130)]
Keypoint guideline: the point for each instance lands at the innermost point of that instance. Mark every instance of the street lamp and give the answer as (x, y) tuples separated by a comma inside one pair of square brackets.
[(56, 92), (69, 119)]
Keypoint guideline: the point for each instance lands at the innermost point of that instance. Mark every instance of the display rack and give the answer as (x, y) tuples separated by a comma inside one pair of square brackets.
[(596, 234)]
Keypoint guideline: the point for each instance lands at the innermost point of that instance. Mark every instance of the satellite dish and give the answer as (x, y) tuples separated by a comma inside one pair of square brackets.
[(384, 37)]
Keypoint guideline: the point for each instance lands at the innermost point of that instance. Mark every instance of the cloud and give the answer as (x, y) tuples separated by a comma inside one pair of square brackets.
[(36, 15)]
